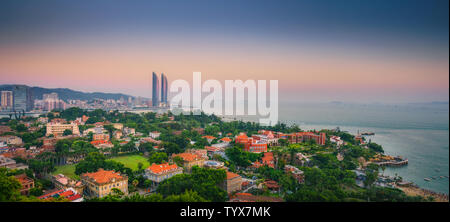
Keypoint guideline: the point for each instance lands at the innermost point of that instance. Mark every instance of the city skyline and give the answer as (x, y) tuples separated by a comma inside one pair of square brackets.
[(374, 52)]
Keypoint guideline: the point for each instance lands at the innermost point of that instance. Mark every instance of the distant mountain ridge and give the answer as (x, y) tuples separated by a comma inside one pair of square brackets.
[(66, 94)]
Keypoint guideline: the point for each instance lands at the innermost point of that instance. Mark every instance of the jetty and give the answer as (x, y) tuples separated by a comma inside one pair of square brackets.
[(389, 161)]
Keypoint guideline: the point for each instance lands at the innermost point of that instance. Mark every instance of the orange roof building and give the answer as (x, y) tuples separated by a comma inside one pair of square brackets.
[(159, 172), (226, 139), (100, 183), (190, 160), (232, 183), (26, 182)]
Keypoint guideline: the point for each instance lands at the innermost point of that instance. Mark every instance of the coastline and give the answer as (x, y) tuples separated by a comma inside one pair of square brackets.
[(417, 191), (393, 148)]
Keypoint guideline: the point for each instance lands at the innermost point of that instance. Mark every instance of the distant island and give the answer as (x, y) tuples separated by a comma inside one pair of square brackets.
[(68, 94)]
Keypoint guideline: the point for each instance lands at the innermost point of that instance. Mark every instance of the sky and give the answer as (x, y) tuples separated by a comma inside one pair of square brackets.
[(391, 51)]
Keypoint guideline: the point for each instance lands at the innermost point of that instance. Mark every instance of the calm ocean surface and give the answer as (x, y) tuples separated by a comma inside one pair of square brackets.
[(419, 132)]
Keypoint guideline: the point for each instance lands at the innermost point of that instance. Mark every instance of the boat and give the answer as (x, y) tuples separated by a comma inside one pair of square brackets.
[(441, 176), (433, 178), (427, 179), (367, 133), (437, 170)]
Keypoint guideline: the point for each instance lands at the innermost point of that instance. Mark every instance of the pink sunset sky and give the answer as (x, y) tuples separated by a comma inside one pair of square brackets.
[(364, 62)]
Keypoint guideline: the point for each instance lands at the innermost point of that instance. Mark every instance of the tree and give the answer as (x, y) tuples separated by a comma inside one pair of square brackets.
[(135, 183), (140, 166), (171, 147), (36, 192), (371, 172), (204, 181), (9, 186), (178, 161), (67, 132), (158, 158), (283, 142), (146, 147)]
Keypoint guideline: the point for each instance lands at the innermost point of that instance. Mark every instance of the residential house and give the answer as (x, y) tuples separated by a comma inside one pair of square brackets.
[(100, 183)]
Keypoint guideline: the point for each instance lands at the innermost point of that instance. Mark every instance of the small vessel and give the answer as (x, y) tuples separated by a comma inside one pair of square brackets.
[(441, 176), (427, 179), (437, 170), (367, 133), (433, 178)]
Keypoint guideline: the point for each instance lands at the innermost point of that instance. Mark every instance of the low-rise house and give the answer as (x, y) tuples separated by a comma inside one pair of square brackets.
[(117, 134), (11, 164), (149, 140), (118, 126), (295, 172), (209, 138), (100, 183), (129, 131), (11, 140), (100, 136), (102, 144), (70, 194), (203, 153), (221, 145), (271, 185), (160, 172), (359, 138), (190, 160), (214, 165), (232, 183), (266, 160), (94, 130), (26, 183), (302, 160), (337, 140), (60, 181), (154, 134), (226, 140), (211, 151)]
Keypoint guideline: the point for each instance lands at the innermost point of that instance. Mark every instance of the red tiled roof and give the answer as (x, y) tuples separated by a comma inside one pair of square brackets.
[(231, 175), (187, 156), (226, 139), (212, 149), (67, 193), (74, 197), (45, 196), (209, 137), (103, 176), (97, 142), (160, 168)]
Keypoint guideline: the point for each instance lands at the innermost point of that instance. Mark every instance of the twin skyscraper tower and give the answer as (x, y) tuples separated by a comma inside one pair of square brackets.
[(158, 100)]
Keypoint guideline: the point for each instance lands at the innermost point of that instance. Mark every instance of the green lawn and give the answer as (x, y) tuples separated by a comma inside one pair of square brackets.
[(130, 161), (68, 170)]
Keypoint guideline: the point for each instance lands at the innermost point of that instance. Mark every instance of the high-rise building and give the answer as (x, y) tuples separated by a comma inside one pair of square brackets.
[(7, 99), (163, 89), (22, 98), (155, 90)]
